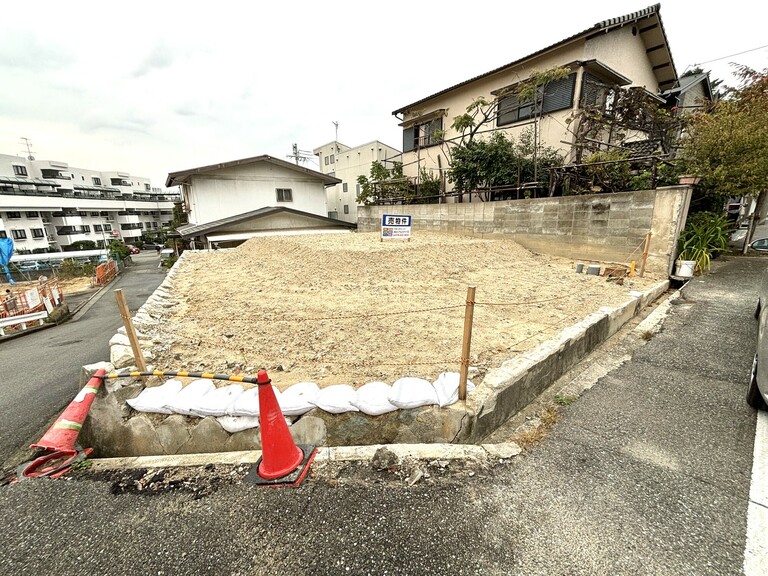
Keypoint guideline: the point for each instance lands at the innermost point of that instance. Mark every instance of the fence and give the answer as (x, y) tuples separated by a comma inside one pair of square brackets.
[(106, 272), (44, 297)]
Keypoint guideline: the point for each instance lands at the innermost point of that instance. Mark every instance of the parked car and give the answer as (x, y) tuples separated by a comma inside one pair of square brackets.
[(132, 249), (761, 245), (152, 246), (29, 266), (757, 391)]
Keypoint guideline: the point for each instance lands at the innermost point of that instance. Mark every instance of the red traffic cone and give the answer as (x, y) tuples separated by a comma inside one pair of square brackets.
[(279, 454), (61, 437)]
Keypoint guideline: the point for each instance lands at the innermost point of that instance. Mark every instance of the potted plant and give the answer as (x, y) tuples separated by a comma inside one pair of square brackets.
[(704, 236)]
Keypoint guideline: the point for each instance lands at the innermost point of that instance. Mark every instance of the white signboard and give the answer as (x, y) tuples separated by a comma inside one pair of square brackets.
[(33, 298), (395, 226)]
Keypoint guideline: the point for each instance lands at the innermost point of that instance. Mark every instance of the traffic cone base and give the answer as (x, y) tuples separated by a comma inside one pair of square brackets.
[(293, 479)]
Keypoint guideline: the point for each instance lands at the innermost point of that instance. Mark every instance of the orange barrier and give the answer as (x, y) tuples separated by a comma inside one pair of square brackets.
[(61, 437)]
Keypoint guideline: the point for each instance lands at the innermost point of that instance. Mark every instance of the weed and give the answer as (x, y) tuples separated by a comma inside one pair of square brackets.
[(646, 335), (79, 467), (536, 434), (564, 399)]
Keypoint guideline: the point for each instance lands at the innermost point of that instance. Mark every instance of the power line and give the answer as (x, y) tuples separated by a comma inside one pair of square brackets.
[(729, 56)]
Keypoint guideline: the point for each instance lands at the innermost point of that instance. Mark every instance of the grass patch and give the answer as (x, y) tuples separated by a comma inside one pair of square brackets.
[(564, 400), (646, 335)]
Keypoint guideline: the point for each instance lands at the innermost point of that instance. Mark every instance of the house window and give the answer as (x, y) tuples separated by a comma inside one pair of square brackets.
[(344, 187), (107, 227), (3, 234), (147, 187), (423, 135), (85, 229), (595, 92), (326, 161), (357, 189), (19, 234), (284, 195), (557, 95), (97, 227), (19, 170), (13, 215), (332, 160), (96, 180), (32, 214), (346, 208), (37, 233), (154, 224)]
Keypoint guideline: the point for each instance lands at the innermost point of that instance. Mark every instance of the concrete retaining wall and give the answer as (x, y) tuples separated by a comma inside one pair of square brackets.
[(596, 227)]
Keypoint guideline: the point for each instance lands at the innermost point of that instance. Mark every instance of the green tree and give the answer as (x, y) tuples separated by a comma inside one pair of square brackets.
[(384, 185), (728, 143)]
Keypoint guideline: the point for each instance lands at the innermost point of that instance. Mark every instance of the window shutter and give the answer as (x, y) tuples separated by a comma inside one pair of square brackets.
[(507, 110), (559, 95), (408, 139), (589, 90)]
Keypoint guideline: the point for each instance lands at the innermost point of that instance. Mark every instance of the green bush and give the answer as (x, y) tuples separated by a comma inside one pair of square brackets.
[(705, 235)]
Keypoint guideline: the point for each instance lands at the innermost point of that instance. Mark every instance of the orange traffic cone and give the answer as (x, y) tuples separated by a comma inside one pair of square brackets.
[(281, 462), (61, 437)]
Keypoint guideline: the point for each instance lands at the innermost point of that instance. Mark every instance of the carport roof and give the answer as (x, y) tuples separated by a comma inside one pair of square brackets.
[(191, 230)]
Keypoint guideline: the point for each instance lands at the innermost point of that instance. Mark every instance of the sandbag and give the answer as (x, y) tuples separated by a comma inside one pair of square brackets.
[(155, 398), (234, 424), (447, 388), (217, 401), (412, 392), (336, 399), (190, 396), (247, 404), (298, 399), (373, 399)]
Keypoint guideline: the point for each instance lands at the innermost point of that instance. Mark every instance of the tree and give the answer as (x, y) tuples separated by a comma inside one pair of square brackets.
[(478, 161), (384, 185)]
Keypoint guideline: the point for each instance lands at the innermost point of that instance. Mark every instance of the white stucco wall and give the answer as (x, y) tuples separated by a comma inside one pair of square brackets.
[(238, 189)]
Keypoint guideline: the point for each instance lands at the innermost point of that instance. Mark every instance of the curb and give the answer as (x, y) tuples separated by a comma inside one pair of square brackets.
[(426, 452)]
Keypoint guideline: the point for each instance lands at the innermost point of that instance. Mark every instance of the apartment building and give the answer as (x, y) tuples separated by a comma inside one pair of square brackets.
[(347, 164), (49, 205)]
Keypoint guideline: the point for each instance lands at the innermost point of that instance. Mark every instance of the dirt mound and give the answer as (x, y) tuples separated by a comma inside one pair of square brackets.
[(347, 308)]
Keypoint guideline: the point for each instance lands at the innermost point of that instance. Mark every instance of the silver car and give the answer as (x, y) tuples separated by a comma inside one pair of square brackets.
[(757, 392)]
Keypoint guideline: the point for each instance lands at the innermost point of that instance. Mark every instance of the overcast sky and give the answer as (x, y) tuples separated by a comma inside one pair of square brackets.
[(154, 87)]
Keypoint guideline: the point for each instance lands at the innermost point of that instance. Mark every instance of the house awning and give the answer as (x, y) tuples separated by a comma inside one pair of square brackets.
[(28, 181), (423, 118)]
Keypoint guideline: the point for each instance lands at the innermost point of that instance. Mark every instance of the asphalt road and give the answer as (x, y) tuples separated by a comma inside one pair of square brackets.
[(40, 371), (647, 473)]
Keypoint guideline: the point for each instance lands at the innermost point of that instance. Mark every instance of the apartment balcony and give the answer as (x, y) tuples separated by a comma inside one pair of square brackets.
[(55, 174)]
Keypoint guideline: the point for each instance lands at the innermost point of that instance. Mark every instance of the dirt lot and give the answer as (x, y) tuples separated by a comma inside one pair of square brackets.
[(349, 309)]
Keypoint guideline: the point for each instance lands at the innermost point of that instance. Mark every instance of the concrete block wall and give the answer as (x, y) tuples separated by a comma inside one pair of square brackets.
[(608, 228)]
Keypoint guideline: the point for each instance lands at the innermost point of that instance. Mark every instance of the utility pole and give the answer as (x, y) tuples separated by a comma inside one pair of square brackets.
[(299, 155)]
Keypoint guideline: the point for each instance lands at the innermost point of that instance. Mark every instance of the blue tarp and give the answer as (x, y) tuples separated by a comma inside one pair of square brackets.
[(6, 251)]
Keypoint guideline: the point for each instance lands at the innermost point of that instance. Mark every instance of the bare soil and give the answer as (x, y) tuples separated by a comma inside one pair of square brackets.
[(348, 308)]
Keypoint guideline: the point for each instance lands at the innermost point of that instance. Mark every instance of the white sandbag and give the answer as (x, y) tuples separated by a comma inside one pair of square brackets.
[(155, 398), (447, 388), (234, 424), (298, 399), (373, 399), (336, 399), (190, 396), (247, 404), (412, 392), (217, 401)]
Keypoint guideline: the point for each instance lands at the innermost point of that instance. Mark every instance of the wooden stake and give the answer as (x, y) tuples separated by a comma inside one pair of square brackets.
[(128, 323), (645, 254), (466, 344)]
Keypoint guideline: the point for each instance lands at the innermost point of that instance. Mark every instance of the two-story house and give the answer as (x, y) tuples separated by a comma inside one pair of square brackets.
[(233, 201), (629, 51)]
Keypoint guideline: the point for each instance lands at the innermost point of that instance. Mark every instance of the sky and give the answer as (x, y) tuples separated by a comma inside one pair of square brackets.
[(156, 87)]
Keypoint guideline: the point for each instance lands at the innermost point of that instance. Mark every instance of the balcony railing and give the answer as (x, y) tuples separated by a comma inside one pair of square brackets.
[(94, 195)]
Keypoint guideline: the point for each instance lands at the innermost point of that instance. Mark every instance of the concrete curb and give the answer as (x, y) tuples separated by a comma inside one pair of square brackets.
[(403, 452)]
